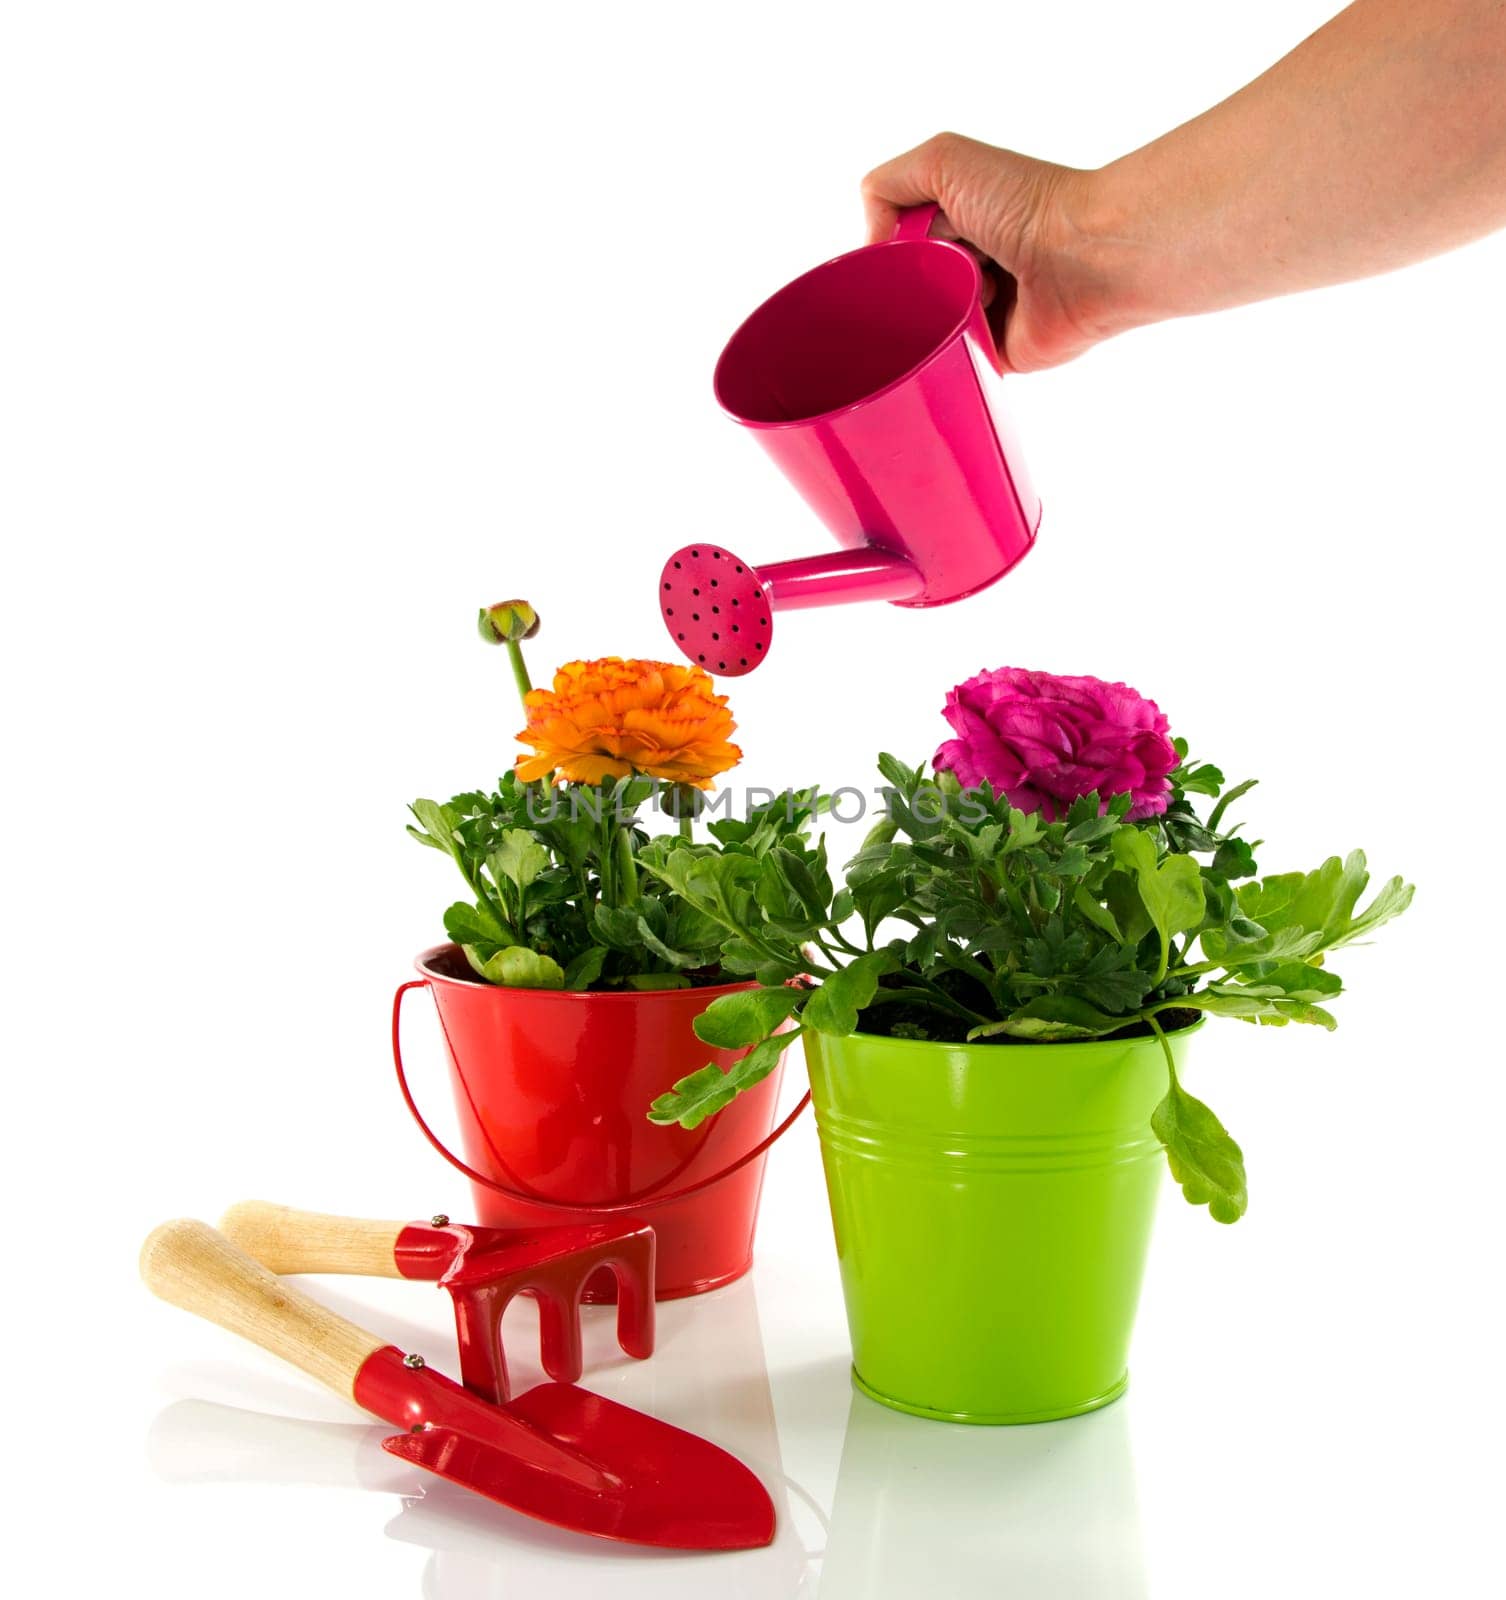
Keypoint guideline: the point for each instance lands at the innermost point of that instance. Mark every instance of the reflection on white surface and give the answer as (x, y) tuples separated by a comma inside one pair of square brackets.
[(198, 1441), (934, 1508)]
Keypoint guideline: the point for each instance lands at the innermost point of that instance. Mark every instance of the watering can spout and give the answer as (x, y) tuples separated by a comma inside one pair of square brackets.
[(867, 573), (720, 608)]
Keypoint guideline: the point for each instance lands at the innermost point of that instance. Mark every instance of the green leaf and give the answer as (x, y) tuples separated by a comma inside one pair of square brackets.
[(923, 949), (734, 1020), (572, 838), (1247, 949), (772, 892), (691, 929), (657, 980), (438, 823), (880, 896), (740, 956), (467, 924), (585, 969), (1091, 831), (1025, 827), (1216, 816), (520, 858), (730, 830), (813, 893), (520, 968), (652, 941), (617, 926), (920, 814), (1234, 859), (1171, 890), (1085, 808), (1319, 905), (721, 886), (1073, 862), (1126, 906), (701, 1094), (1112, 980), (633, 793), (1320, 901), (1052, 1016), (1394, 898), (477, 956), (903, 778), (1206, 1162), (879, 835), (1198, 778), (834, 1007), (1292, 980), (1234, 1000), (1100, 916)]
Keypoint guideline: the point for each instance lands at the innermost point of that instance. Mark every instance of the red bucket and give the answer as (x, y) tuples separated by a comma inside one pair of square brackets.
[(552, 1090)]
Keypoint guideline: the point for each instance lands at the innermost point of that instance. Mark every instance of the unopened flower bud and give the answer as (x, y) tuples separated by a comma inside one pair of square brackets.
[(682, 800), (507, 622)]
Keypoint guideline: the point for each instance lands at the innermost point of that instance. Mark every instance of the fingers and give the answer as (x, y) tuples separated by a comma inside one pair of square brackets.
[(1007, 211), (908, 180), (985, 193)]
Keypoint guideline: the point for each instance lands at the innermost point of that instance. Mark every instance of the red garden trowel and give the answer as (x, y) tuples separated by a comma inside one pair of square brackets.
[(483, 1268), (558, 1452)]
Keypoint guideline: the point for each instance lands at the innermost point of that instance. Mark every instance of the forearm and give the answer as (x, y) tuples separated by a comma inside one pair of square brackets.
[(1380, 140)]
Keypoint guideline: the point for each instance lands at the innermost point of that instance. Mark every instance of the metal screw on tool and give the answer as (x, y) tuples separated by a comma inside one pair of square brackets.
[(439, 1220), (413, 1360)]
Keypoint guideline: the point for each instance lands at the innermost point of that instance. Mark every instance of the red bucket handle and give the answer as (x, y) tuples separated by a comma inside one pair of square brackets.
[(534, 1200)]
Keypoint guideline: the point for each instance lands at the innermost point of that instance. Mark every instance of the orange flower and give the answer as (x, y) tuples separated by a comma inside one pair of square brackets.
[(612, 718)]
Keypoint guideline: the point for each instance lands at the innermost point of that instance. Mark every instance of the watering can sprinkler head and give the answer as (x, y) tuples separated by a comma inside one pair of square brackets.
[(867, 381), (720, 609)]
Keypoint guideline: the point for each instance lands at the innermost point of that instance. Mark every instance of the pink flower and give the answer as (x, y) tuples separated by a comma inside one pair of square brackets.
[(1044, 740)]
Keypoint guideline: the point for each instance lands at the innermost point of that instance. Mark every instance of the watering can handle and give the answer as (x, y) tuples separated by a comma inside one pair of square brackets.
[(914, 222), (535, 1200)]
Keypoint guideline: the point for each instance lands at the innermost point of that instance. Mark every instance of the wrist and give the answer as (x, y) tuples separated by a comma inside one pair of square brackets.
[(1123, 276)]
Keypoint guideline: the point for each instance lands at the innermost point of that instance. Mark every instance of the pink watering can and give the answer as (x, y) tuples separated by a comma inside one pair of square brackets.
[(869, 381)]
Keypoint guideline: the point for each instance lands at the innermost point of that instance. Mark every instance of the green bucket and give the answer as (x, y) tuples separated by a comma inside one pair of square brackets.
[(992, 1207)]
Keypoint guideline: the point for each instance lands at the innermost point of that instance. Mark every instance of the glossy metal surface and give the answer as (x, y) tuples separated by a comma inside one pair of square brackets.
[(866, 573), (485, 1268), (992, 1206), (551, 1092), (572, 1458), (870, 383)]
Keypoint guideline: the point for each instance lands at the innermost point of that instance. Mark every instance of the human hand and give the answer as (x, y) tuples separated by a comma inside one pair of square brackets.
[(1378, 141), (1048, 292)]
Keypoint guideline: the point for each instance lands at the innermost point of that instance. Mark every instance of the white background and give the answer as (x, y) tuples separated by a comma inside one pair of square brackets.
[(323, 325)]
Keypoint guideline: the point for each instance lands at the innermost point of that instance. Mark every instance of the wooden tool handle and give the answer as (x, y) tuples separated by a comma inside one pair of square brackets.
[(189, 1265), (287, 1240)]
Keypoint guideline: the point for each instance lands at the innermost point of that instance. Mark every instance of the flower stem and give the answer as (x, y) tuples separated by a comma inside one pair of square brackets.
[(1171, 1066), (627, 867), (519, 671)]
